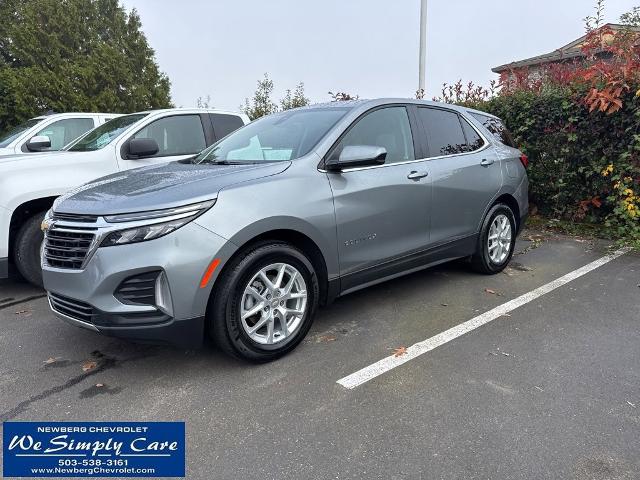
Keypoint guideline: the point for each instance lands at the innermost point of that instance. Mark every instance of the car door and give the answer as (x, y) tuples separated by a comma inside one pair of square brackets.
[(178, 136), (465, 176), (382, 212)]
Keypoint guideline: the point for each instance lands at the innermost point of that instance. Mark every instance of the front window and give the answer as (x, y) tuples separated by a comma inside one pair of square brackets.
[(105, 134), (10, 135), (65, 131), (279, 137), (175, 135), (388, 128)]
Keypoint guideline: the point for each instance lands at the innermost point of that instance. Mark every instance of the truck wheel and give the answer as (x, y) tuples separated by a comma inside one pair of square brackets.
[(26, 252), (497, 241), (264, 302)]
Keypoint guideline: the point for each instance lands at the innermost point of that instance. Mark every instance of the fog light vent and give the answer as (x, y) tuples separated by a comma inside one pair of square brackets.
[(139, 289)]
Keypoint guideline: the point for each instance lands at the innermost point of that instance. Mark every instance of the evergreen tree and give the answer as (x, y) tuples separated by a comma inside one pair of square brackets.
[(75, 55)]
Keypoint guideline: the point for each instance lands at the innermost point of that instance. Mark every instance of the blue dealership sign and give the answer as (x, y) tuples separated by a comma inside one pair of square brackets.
[(93, 449)]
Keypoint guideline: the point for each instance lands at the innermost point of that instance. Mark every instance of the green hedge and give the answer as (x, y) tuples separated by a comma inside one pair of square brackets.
[(583, 165)]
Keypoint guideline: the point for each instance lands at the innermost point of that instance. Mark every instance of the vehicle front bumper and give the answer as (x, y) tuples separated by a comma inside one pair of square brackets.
[(4, 267), (183, 256), (5, 221)]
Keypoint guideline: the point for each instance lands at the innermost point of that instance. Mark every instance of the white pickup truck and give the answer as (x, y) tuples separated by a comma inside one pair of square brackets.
[(29, 184), (49, 133)]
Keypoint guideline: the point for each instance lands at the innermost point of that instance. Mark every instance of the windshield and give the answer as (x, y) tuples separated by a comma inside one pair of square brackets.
[(10, 135), (278, 137), (103, 135)]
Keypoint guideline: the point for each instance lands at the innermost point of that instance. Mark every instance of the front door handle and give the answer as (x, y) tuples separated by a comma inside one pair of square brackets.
[(416, 175), (487, 161)]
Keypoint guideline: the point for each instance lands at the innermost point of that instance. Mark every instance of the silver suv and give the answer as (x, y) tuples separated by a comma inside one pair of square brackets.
[(243, 241)]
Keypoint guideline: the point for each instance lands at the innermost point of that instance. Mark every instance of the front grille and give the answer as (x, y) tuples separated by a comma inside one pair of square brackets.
[(138, 290), (66, 248), (72, 308), (72, 217), (68, 240)]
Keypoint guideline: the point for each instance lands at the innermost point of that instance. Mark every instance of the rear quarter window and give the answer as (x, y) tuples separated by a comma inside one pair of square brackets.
[(496, 128)]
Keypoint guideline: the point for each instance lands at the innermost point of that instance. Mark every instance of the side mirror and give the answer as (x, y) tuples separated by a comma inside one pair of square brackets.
[(142, 147), (358, 156), (38, 143)]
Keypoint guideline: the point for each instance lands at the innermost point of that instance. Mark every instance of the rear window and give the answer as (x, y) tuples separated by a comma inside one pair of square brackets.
[(444, 132), (224, 124), (496, 128)]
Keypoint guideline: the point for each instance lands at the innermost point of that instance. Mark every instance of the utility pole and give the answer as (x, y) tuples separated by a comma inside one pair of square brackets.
[(423, 45)]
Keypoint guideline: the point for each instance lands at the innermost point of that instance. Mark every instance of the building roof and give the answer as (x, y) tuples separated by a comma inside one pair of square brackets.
[(567, 52)]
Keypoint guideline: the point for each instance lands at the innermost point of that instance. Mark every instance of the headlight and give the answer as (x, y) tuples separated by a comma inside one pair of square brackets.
[(154, 224)]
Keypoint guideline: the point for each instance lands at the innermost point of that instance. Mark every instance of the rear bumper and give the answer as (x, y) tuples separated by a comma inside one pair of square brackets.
[(4, 267)]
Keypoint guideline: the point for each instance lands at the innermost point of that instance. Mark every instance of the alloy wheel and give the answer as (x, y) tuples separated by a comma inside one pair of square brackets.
[(499, 239), (273, 304)]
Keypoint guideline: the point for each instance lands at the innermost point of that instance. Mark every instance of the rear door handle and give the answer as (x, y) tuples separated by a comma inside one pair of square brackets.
[(487, 161), (416, 175)]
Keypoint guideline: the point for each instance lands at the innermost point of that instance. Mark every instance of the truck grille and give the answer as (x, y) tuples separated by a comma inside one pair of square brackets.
[(71, 308), (66, 243)]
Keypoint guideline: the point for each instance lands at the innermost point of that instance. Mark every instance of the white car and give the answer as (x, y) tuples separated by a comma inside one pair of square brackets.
[(49, 133), (29, 184)]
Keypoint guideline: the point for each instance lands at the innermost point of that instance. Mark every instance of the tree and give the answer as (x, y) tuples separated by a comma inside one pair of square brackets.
[(75, 55), (295, 99), (261, 103)]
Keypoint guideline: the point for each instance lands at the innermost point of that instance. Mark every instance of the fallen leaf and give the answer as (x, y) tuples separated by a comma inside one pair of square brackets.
[(88, 366), (488, 290), (398, 352), (327, 338), (51, 360), (99, 385)]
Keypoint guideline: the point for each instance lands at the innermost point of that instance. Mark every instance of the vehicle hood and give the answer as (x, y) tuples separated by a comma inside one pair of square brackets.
[(159, 186), (30, 159)]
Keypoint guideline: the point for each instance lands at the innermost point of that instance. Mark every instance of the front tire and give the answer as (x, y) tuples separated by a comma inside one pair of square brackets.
[(26, 253), (264, 302), (497, 241)]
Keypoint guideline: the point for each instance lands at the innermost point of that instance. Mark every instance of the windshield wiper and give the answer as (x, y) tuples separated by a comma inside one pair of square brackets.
[(226, 162)]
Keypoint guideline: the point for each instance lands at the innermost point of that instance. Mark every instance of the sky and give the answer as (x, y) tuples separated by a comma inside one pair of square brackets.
[(364, 47)]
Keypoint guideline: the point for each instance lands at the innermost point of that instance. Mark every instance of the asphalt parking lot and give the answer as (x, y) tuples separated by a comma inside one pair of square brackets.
[(548, 390)]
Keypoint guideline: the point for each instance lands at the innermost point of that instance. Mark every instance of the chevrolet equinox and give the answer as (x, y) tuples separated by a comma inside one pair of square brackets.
[(244, 241)]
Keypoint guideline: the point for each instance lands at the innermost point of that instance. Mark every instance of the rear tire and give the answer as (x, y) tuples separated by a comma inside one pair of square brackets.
[(26, 253), (241, 289), (496, 242)]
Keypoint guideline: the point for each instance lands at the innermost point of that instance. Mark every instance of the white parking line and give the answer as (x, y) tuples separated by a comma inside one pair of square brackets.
[(374, 370)]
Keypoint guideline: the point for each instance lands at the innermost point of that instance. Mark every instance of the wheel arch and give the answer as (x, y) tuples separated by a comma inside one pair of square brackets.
[(23, 212), (510, 201), (293, 237), (299, 240)]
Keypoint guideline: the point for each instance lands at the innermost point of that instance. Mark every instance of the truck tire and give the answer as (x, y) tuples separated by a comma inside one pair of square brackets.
[(26, 252)]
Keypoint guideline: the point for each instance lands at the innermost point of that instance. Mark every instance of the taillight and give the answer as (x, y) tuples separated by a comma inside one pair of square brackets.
[(525, 160)]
